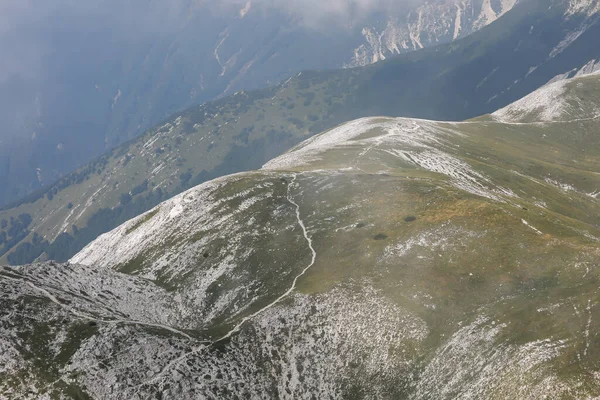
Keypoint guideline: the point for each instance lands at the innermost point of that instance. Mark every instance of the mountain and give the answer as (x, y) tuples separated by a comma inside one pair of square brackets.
[(529, 46), (385, 258), (429, 24), (104, 73)]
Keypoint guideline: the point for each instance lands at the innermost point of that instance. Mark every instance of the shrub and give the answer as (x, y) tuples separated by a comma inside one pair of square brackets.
[(125, 199)]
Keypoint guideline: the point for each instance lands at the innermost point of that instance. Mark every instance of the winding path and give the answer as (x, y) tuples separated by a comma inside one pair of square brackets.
[(237, 328), (202, 345), (294, 283)]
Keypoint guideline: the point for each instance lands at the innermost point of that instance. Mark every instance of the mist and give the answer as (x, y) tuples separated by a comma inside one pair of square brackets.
[(314, 13), (28, 27), (32, 29)]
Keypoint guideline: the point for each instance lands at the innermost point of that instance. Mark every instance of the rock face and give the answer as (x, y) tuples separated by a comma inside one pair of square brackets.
[(386, 258), (429, 24)]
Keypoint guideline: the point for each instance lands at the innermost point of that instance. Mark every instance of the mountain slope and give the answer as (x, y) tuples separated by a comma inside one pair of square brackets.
[(386, 258), (428, 24), (159, 58), (479, 74), (563, 100)]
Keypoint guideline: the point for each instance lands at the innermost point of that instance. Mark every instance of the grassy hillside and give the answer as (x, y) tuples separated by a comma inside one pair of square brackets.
[(383, 259)]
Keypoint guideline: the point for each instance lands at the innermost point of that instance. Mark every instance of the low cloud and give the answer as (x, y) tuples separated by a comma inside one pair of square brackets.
[(27, 27), (314, 13)]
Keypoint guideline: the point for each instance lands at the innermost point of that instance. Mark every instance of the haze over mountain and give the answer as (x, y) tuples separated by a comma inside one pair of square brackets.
[(529, 46), (78, 78), (386, 258)]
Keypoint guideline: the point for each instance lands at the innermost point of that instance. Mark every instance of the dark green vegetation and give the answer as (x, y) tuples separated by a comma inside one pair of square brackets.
[(14, 231), (470, 77)]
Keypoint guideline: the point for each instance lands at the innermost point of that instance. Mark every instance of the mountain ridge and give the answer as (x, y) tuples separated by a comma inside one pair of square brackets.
[(436, 259)]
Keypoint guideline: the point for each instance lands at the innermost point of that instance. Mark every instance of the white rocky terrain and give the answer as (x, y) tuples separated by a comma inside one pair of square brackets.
[(561, 100)]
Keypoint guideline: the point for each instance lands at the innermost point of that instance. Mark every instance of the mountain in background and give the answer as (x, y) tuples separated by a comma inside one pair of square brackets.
[(383, 259), (429, 24), (104, 74), (529, 46)]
